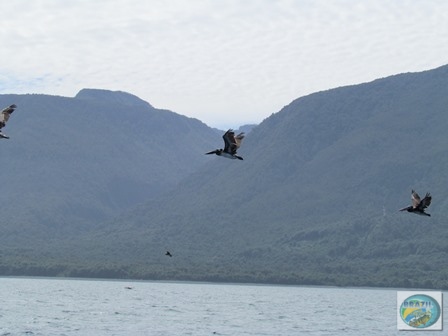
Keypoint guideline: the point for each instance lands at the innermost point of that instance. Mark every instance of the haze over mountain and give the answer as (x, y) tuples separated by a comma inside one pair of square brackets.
[(74, 162), (315, 200)]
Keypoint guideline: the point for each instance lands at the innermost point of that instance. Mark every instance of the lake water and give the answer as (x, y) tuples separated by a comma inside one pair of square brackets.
[(41, 306)]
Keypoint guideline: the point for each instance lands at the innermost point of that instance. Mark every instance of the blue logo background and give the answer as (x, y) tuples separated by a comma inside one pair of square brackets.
[(420, 311)]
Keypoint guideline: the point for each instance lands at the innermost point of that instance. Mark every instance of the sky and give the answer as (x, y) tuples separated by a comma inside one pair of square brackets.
[(224, 62)]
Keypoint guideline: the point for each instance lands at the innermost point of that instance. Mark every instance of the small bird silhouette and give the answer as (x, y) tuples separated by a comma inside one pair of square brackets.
[(168, 253)]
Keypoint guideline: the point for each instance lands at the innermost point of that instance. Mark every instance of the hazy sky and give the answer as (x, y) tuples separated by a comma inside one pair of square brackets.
[(225, 62)]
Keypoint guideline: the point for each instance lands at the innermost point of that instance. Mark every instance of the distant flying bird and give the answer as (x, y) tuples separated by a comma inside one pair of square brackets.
[(4, 117), (231, 144), (168, 254), (418, 206)]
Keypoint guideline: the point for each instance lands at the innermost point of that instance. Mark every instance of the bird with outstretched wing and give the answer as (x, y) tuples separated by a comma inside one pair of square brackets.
[(419, 205), (231, 145), (4, 117)]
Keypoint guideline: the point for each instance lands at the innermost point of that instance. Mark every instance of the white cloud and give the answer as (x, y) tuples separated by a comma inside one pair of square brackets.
[(225, 62)]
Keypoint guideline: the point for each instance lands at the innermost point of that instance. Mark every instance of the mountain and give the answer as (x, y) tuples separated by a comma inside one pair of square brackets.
[(245, 128), (315, 200), (71, 163)]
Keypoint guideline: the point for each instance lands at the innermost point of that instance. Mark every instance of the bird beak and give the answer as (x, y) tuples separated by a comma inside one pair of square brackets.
[(212, 152)]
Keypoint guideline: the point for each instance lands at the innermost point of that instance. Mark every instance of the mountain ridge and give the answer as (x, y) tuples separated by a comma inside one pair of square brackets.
[(357, 144), (119, 97), (74, 161), (315, 200)]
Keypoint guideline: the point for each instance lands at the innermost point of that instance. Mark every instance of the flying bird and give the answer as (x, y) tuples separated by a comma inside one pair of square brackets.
[(168, 253), (231, 145), (4, 117), (418, 205)]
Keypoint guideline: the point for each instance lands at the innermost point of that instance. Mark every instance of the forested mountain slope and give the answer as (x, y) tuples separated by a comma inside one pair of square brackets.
[(71, 163), (315, 200)]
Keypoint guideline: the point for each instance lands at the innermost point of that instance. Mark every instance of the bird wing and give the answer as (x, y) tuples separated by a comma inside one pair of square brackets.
[(415, 199), (426, 201), (5, 114), (238, 140), (229, 141)]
